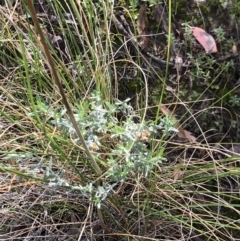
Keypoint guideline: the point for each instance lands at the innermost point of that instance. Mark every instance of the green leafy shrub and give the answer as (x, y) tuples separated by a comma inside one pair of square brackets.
[(129, 153)]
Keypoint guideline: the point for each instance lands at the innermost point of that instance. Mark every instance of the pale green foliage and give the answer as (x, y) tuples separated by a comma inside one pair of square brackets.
[(234, 101), (220, 34), (130, 154)]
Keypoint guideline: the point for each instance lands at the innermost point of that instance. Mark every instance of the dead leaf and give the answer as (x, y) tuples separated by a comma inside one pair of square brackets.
[(185, 134), (166, 111), (181, 132), (177, 174), (142, 21), (142, 26), (205, 39), (235, 50)]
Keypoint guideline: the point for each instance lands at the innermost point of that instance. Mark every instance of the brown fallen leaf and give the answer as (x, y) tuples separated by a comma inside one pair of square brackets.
[(142, 21), (181, 132), (205, 39), (166, 111), (177, 174), (185, 134), (235, 50), (142, 26)]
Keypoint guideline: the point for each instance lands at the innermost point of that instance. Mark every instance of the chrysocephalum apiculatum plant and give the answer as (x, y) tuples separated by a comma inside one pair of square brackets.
[(126, 142)]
